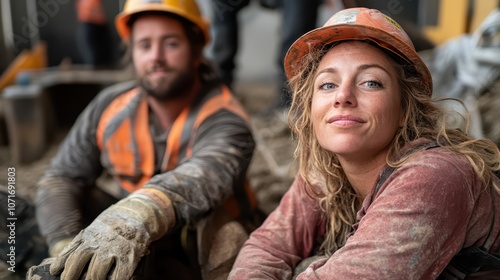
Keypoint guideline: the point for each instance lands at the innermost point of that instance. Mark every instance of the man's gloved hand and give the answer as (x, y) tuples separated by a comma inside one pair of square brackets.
[(117, 239), (59, 246)]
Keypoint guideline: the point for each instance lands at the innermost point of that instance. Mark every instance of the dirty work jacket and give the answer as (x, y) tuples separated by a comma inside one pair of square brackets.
[(421, 216), (210, 168)]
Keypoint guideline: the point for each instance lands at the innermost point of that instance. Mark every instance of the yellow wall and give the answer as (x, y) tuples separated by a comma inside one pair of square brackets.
[(452, 18), (451, 21), (481, 10)]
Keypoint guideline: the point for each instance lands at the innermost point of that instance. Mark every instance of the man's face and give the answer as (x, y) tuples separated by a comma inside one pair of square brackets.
[(162, 57)]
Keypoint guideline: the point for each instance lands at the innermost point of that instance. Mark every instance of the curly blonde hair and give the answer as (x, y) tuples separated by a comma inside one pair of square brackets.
[(422, 118)]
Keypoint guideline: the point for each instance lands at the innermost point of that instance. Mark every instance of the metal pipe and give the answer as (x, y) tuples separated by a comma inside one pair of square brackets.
[(421, 14), (32, 12), (8, 31)]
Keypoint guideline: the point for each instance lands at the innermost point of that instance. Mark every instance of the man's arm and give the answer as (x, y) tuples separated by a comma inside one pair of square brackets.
[(73, 170), (121, 234)]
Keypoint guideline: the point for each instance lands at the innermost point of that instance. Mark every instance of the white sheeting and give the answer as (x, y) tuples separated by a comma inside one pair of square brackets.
[(464, 68)]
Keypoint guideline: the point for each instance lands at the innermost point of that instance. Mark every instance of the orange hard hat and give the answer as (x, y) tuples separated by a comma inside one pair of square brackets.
[(187, 9), (358, 24)]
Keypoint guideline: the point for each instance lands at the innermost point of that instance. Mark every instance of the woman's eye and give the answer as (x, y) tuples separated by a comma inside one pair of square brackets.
[(373, 84), (326, 86)]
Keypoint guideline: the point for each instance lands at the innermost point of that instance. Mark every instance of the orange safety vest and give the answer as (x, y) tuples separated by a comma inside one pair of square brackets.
[(127, 147), (91, 11)]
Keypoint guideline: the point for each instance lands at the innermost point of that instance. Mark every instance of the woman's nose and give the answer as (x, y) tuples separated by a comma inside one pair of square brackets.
[(345, 95)]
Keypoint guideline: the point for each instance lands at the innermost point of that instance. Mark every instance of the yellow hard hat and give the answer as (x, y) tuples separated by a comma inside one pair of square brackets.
[(358, 24), (187, 9)]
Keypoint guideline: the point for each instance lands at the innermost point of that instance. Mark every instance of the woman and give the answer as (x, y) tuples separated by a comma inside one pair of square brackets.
[(385, 189)]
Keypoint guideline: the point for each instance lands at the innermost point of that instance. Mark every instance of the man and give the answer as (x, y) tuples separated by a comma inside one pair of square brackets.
[(179, 145)]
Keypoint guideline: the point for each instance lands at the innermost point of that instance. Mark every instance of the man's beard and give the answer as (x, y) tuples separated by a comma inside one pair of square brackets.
[(168, 88)]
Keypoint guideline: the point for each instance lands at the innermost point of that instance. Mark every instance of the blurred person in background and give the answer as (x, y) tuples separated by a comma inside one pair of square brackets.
[(94, 36), (298, 17)]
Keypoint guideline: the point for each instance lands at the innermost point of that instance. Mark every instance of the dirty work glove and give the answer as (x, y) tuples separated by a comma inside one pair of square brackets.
[(118, 238), (59, 246)]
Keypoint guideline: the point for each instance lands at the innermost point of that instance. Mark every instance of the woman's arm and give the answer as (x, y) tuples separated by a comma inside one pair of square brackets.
[(288, 235), (413, 226)]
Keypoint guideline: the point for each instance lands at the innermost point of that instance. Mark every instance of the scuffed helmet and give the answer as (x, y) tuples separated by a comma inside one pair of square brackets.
[(358, 24)]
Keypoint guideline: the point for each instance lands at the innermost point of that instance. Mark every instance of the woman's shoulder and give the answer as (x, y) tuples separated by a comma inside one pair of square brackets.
[(440, 160), (427, 155), (429, 168), (437, 170)]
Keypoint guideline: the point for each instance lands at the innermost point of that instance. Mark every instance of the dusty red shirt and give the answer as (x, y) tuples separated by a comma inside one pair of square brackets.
[(422, 215)]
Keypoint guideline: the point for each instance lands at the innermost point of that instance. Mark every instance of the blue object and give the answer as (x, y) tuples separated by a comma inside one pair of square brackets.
[(23, 78)]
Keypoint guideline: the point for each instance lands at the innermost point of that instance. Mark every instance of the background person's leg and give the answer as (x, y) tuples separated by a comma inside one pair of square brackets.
[(299, 17), (226, 35)]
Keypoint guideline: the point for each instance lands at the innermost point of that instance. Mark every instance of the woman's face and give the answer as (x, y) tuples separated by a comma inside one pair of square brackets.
[(356, 108)]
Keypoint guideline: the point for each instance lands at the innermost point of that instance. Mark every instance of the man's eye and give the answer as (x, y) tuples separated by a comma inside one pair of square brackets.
[(143, 46), (171, 44)]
